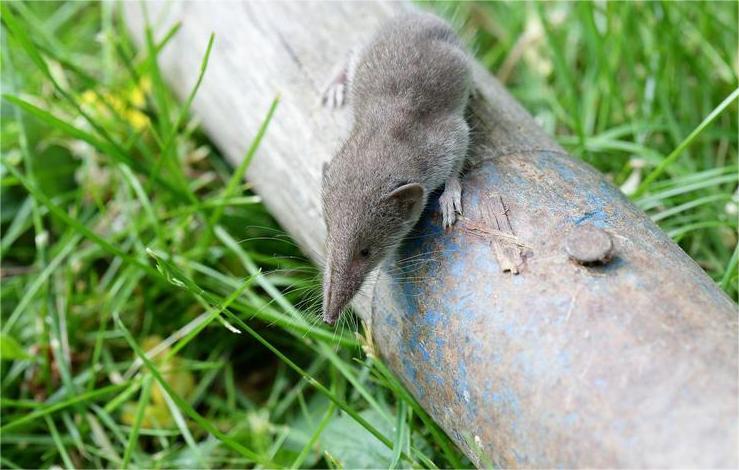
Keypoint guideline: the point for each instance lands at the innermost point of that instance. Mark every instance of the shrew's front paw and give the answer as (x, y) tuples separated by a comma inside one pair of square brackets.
[(451, 201)]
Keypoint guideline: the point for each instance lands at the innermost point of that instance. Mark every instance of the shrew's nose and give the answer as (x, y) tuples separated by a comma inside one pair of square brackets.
[(330, 317)]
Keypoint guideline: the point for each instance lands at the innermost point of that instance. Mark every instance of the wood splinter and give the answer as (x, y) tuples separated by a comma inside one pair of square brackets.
[(494, 226)]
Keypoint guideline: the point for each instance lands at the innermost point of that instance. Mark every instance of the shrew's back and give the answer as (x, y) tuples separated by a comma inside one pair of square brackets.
[(417, 62)]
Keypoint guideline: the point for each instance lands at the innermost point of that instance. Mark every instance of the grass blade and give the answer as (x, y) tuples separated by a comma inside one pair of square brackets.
[(309, 446), (39, 281), (49, 409), (401, 429), (138, 419), (670, 159), (58, 442), (731, 269)]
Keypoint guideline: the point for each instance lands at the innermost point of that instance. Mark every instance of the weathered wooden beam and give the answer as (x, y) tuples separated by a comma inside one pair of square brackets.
[(627, 364)]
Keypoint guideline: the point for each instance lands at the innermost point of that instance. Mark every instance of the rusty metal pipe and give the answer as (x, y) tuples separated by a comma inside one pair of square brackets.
[(555, 325)]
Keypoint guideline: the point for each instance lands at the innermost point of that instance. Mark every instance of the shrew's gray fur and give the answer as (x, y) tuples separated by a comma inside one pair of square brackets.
[(408, 89)]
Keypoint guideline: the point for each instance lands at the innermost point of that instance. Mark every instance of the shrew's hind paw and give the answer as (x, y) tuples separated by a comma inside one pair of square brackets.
[(451, 202), (336, 92), (334, 95)]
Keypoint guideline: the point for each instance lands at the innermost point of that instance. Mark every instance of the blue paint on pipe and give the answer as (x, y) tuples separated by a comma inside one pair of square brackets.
[(596, 217), (411, 373), (462, 387), (571, 419), (432, 318), (436, 378)]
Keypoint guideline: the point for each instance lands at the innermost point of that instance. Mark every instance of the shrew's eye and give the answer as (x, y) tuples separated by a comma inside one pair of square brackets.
[(364, 252)]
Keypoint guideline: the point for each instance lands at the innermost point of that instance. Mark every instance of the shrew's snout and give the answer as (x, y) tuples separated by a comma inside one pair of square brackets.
[(333, 300), (339, 286), (331, 311)]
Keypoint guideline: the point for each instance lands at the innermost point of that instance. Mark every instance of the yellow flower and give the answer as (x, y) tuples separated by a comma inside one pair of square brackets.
[(155, 416), (89, 97), (138, 120), (177, 376), (127, 105), (137, 95)]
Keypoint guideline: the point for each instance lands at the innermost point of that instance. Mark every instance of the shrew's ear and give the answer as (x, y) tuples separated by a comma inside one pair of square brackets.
[(409, 199)]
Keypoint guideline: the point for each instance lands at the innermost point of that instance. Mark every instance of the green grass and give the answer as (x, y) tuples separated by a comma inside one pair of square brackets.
[(155, 316)]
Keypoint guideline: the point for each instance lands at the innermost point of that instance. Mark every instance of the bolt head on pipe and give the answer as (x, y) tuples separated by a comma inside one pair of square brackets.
[(589, 245)]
